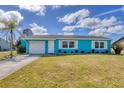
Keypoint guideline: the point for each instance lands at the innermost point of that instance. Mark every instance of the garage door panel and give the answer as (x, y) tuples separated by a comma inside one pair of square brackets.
[(36, 47)]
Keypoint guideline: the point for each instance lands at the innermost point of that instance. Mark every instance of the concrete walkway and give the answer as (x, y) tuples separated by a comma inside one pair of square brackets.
[(9, 66)]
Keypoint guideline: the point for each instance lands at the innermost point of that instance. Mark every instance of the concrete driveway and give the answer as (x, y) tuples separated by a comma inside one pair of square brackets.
[(9, 66)]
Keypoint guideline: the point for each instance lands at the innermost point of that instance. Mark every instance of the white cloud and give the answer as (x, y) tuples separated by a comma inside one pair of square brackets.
[(1, 12), (69, 28), (98, 32), (38, 9), (98, 26), (2, 26), (118, 29), (109, 12), (81, 19), (92, 23), (122, 9), (38, 30), (10, 16), (56, 6), (72, 17), (88, 23), (66, 33), (109, 22)]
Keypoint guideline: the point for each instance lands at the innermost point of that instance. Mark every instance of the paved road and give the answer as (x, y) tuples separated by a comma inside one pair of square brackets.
[(9, 66)]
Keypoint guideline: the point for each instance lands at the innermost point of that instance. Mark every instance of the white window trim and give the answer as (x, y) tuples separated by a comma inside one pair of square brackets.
[(60, 44), (93, 44)]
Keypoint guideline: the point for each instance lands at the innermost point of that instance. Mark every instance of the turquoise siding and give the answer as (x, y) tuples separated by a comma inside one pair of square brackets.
[(83, 45), (23, 43), (46, 46)]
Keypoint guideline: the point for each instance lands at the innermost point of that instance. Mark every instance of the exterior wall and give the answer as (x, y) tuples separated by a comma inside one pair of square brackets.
[(83, 45)]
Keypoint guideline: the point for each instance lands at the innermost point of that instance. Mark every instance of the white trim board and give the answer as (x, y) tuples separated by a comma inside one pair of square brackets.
[(51, 46)]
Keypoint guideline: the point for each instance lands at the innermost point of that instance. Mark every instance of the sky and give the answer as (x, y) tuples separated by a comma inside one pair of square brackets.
[(86, 20)]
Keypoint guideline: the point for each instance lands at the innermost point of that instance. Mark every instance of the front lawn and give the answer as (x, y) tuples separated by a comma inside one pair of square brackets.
[(6, 54), (70, 71)]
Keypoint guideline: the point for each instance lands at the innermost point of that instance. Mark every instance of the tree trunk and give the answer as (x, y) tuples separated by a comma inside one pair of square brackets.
[(11, 44)]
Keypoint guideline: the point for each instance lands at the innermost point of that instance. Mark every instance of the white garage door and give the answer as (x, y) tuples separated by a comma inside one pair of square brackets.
[(36, 47)]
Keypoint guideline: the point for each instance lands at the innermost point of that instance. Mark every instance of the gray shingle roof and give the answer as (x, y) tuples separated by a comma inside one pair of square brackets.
[(43, 37)]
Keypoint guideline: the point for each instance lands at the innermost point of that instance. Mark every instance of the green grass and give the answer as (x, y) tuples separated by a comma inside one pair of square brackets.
[(70, 71), (6, 54)]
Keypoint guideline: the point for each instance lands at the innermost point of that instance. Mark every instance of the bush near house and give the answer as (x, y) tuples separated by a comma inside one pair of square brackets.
[(117, 47), (20, 50)]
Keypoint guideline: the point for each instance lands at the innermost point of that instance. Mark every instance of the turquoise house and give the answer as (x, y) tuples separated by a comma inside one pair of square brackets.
[(66, 44)]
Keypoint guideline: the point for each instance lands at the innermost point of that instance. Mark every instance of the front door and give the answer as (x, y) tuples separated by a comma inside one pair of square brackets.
[(51, 46)]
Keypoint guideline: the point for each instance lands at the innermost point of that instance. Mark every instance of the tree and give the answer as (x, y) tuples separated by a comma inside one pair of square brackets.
[(9, 21), (117, 47), (10, 26)]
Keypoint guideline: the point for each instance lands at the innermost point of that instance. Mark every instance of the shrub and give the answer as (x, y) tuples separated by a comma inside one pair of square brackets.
[(117, 47), (88, 52), (82, 51), (106, 51), (60, 51), (102, 52), (76, 51), (93, 50), (65, 52), (97, 52), (20, 49), (71, 51)]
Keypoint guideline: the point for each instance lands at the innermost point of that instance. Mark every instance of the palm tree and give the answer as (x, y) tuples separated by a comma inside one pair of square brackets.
[(10, 35)]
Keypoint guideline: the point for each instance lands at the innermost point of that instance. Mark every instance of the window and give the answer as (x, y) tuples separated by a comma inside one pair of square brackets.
[(102, 45), (71, 44), (64, 44), (68, 44), (96, 44), (99, 44)]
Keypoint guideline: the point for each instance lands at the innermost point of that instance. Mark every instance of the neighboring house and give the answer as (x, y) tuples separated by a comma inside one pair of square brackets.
[(4, 45), (65, 44), (121, 41)]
